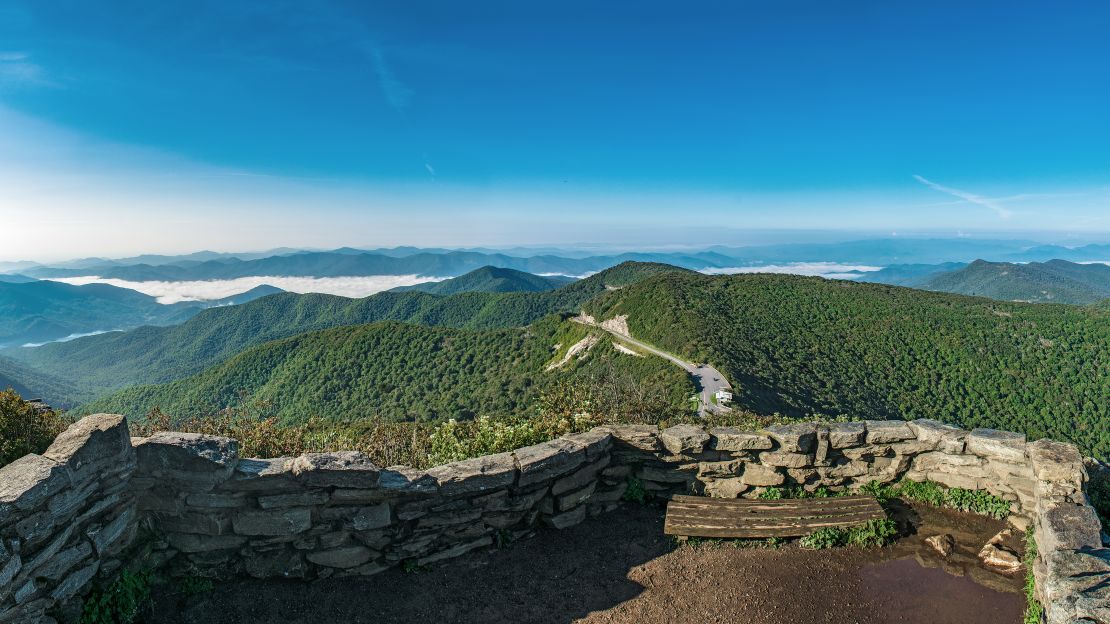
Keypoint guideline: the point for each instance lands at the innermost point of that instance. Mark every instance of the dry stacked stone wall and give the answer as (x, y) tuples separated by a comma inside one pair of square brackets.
[(187, 504)]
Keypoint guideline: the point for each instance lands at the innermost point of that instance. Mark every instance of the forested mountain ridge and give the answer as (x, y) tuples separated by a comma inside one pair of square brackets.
[(160, 354), (802, 346), (1055, 281), (491, 279), (398, 371)]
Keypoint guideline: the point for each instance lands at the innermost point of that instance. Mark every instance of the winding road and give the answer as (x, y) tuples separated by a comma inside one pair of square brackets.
[(707, 378)]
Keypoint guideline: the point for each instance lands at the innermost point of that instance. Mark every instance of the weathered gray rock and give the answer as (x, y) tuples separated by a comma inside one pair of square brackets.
[(275, 522), (73, 583), (566, 519), (57, 565), (345, 557), (942, 544), (263, 475), (107, 538), (994, 444), (667, 474), (795, 437), (92, 445), (29, 481), (1056, 461), (406, 481), (999, 559), (346, 469), (594, 442), (206, 523), (540, 462), (475, 475), (295, 499), (575, 498), (786, 460), (190, 458), (1068, 527), (846, 435), (761, 476), (456, 551), (936, 433), (580, 478), (887, 431), (209, 500), (735, 439), (684, 439), (373, 517), (718, 469), (726, 488), (642, 437)]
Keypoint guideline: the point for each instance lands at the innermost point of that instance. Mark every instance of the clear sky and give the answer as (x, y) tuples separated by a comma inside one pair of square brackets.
[(130, 126)]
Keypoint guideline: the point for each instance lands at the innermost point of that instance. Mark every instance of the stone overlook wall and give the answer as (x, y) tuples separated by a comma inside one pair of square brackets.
[(188, 504)]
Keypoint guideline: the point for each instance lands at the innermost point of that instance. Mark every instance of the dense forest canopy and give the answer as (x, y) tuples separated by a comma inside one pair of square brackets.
[(803, 346)]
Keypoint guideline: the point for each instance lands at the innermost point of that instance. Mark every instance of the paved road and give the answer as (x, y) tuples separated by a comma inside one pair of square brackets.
[(709, 379)]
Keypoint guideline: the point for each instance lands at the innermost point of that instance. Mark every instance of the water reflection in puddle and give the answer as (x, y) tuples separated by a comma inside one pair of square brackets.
[(908, 585)]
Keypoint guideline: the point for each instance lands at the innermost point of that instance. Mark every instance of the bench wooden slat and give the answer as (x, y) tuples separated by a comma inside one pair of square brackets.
[(698, 516)]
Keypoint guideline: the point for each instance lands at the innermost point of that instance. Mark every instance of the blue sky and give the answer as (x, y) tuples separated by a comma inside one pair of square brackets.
[(139, 126)]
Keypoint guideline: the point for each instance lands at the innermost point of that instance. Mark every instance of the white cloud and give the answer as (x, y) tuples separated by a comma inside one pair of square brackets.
[(396, 93), (979, 200), (830, 270), (210, 290)]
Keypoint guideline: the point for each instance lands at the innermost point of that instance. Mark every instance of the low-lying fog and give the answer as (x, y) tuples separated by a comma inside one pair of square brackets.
[(211, 290)]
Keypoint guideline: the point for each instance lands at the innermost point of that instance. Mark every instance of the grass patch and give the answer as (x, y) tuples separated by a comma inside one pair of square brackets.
[(1034, 611), (976, 501), (873, 533)]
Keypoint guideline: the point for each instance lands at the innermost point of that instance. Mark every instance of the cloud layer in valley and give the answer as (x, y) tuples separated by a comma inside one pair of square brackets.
[(211, 290), (830, 270)]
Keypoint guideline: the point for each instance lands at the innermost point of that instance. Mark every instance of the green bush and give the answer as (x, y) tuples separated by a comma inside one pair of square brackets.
[(120, 602), (25, 429)]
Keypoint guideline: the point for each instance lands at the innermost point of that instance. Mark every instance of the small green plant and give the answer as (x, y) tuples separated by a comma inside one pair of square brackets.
[(410, 566), (1034, 611), (771, 493), (775, 542), (119, 602), (924, 491), (873, 533), (190, 586), (882, 493), (823, 538), (635, 491), (502, 538)]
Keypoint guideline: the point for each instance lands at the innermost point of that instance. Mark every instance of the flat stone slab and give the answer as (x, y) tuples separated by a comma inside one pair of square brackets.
[(847, 435), (934, 432), (475, 475), (272, 523), (795, 437), (736, 439), (684, 439), (187, 456), (887, 431), (347, 469), (642, 437), (540, 462), (1069, 527), (94, 442), (29, 481), (1057, 461), (993, 444)]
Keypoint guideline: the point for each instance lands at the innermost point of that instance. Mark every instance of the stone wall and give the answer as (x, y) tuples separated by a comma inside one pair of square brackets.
[(188, 504)]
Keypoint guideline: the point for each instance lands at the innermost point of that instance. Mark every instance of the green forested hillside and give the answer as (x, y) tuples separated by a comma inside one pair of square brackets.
[(801, 346), (98, 364), (1055, 281), (398, 371), (491, 279)]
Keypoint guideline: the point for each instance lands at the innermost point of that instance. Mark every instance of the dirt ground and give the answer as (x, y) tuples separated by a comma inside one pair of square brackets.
[(621, 569)]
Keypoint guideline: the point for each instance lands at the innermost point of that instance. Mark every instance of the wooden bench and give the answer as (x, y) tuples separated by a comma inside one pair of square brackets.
[(699, 516)]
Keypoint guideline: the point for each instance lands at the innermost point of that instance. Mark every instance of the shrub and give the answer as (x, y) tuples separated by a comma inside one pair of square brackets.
[(635, 491), (120, 602), (25, 428)]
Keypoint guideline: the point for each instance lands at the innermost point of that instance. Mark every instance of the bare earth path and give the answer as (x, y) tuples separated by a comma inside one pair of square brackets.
[(620, 569), (709, 379)]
